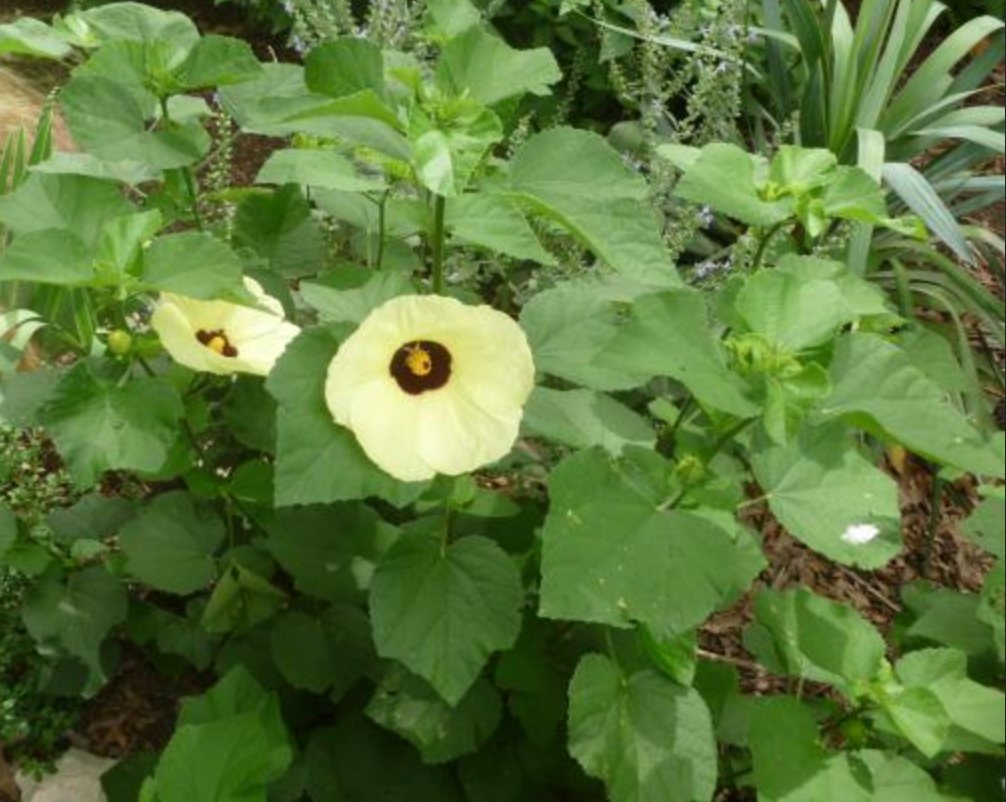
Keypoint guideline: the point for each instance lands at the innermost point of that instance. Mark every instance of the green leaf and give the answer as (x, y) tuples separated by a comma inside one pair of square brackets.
[(452, 17), (193, 264), (919, 717), (135, 22), (920, 196), (344, 67), (443, 610), (987, 527), (800, 634), (171, 545), (446, 152), (557, 175), (823, 491), (8, 529), (569, 327), (584, 419), (28, 36), (727, 179), (669, 335), (613, 555), (483, 66), (99, 426), (108, 121), (793, 313), (876, 387), (48, 257), (496, 223), (309, 439), (316, 168), (648, 739), (237, 739), (790, 765), (349, 296), (323, 653), (77, 616), (335, 569), (975, 709), (896, 779), (280, 228), (350, 763), (88, 166), (219, 61), (76, 204), (241, 600), (408, 706)]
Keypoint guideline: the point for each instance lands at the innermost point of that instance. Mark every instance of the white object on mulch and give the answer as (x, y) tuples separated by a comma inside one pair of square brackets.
[(77, 779)]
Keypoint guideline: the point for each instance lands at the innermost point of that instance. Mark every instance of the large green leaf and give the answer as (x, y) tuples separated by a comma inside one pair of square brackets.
[(878, 388), (830, 497), (325, 652), (483, 66), (280, 228), (648, 739), (170, 546), (613, 554), (218, 61), (558, 175), (584, 419), (77, 204), (31, 37), (789, 763), (791, 312), (76, 616), (52, 256), (669, 335), (308, 439), (108, 121), (408, 706), (336, 569), (135, 22), (974, 709), (442, 610), (495, 222), (344, 67), (569, 327), (800, 634), (230, 746), (100, 425), (316, 168), (350, 763), (987, 527), (728, 180), (193, 264)]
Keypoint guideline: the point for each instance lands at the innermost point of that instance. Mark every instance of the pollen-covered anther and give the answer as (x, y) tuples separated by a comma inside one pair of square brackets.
[(217, 342)]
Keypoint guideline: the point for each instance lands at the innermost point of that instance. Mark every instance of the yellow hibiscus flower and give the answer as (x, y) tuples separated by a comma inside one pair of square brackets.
[(431, 386), (221, 337)]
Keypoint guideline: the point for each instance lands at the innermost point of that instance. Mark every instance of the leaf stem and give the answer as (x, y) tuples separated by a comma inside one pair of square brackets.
[(763, 246), (188, 174), (382, 225), (437, 243)]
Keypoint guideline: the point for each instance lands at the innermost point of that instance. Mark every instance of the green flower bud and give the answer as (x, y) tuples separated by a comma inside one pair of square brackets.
[(120, 342)]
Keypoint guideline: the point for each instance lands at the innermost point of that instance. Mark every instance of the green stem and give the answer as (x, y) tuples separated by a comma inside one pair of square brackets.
[(437, 243), (763, 247), (188, 174), (382, 226)]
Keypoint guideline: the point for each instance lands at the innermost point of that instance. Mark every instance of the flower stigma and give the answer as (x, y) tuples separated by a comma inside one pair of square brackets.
[(217, 342)]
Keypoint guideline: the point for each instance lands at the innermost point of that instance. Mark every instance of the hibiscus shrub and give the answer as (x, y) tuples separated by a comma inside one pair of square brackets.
[(421, 453)]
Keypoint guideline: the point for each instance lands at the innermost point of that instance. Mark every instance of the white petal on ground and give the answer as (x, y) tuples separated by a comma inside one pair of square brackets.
[(861, 534)]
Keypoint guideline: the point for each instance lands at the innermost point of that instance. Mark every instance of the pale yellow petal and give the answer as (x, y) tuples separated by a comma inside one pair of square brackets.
[(456, 436), (179, 337), (383, 419)]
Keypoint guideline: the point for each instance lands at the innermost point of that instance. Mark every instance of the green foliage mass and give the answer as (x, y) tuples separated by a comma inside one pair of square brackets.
[(537, 630)]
